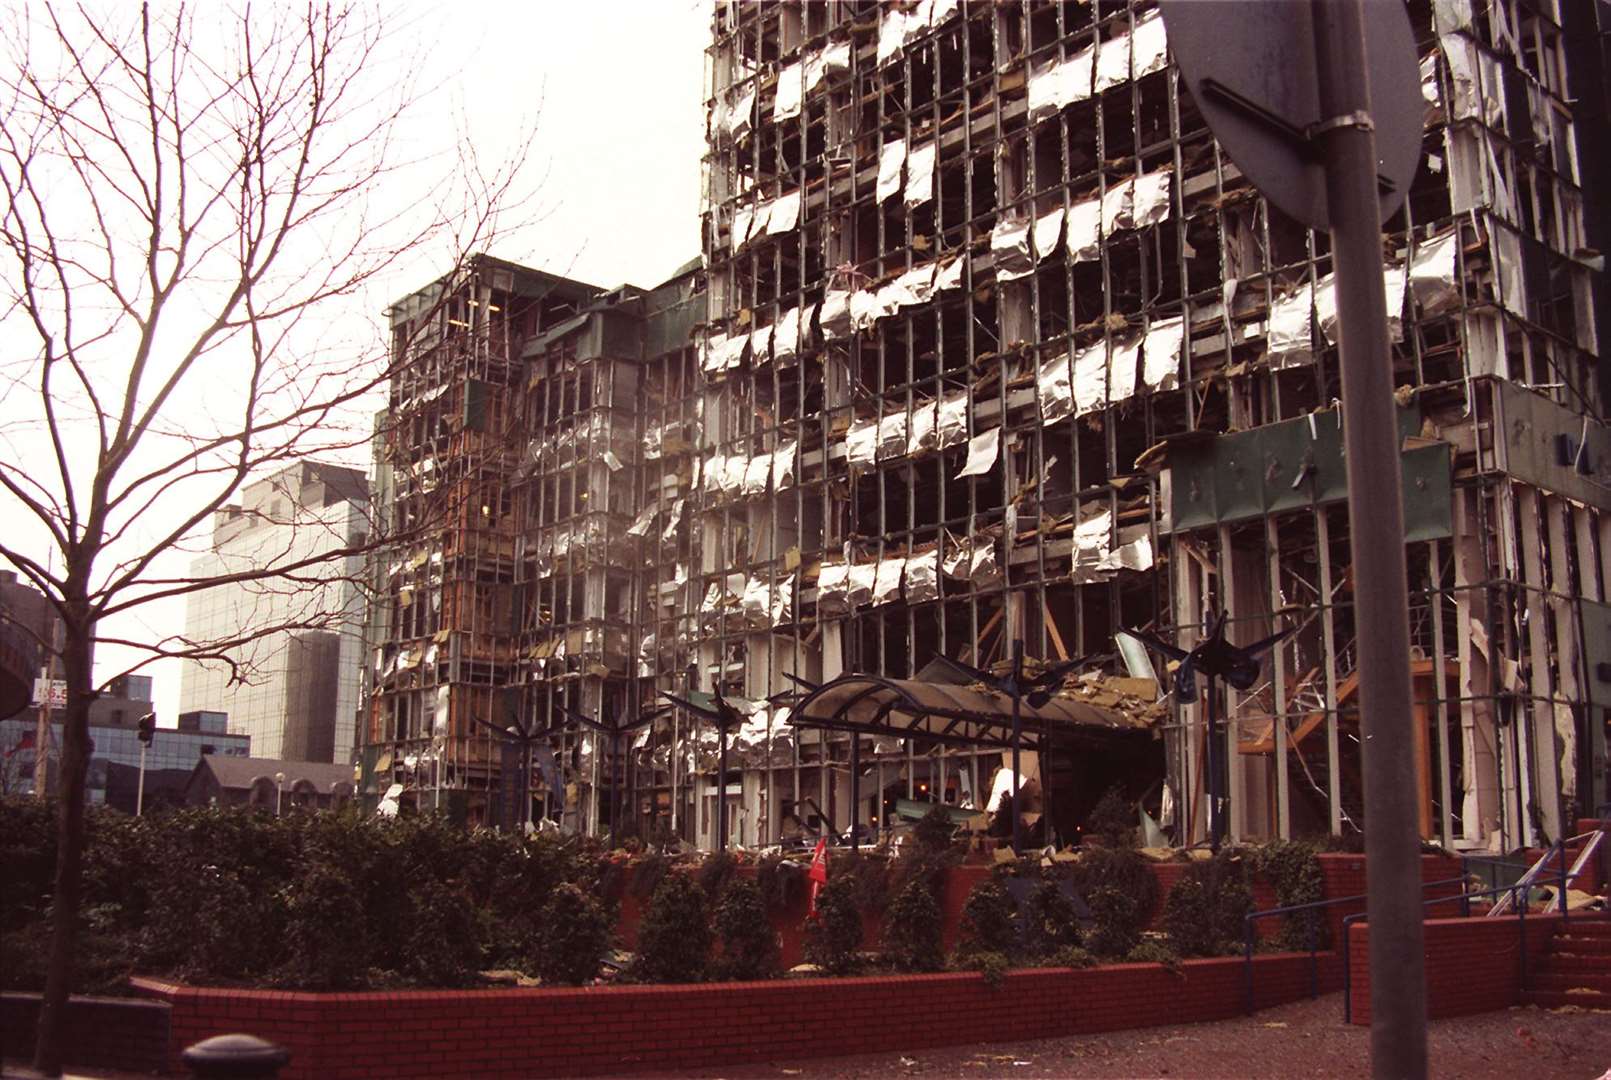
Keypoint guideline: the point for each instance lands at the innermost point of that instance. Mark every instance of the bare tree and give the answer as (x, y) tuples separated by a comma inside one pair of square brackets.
[(193, 202)]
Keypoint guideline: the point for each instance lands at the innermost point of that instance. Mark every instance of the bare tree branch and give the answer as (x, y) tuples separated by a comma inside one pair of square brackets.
[(191, 199)]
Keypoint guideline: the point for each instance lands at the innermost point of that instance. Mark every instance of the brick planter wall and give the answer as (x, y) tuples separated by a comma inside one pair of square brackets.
[(1472, 965), (120, 1033), (525, 1033), (1345, 876)]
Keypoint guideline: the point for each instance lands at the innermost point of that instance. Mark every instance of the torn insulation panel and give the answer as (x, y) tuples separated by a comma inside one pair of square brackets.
[(1291, 334), (920, 175), (890, 161), (1054, 387), (790, 93), (1160, 354), (1009, 243), (982, 453), (1047, 232)]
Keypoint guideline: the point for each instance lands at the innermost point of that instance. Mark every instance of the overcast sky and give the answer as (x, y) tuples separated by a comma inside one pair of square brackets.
[(621, 129), (615, 89)]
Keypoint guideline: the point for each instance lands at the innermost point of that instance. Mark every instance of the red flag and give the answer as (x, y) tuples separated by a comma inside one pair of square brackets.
[(818, 872)]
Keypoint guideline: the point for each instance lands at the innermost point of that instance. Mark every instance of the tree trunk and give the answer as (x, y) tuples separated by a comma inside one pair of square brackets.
[(76, 655)]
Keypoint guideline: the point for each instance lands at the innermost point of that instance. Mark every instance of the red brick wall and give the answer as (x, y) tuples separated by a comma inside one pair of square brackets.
[(123, 1033), (1345, 876), (486, 1033), (1472, 965)]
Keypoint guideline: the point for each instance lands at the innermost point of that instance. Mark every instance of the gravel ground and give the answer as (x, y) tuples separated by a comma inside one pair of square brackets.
[(1305, 1038)]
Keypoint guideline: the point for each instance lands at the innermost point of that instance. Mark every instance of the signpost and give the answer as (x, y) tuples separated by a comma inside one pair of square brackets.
[(1319, 105)]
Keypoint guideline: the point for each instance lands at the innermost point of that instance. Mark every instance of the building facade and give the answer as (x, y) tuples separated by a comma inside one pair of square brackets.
[(992, 347), (293, 687), (114, 769)]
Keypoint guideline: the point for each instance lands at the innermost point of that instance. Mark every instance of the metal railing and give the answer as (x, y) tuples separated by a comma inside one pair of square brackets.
[(1523, 887)]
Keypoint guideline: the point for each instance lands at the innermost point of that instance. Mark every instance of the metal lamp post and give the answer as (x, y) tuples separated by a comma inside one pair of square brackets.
[(279, 793), (146, 732)]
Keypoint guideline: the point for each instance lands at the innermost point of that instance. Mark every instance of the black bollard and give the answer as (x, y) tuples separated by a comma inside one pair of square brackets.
[(235, 1057)]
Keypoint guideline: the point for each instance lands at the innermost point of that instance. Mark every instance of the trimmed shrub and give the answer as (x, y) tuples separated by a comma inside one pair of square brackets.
[(992, 965), (1118, 922), (674, 937), (1293, 871), (1206, 910), (833, 935), (443, 949), (987, 921), (328, 949), (934, 830), (781, 881), (1070, 956), (1120, 889), (715, 872), (1051, 923), (1149, 951), (572, 937), (648, 871), (912, 930), (867, 877), (749, 948), (1113, 820)]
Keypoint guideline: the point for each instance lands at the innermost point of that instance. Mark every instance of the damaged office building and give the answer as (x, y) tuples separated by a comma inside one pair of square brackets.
[(992, 351)]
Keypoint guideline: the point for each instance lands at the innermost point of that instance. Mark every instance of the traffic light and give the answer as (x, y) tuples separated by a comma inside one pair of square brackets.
[(148, 728)]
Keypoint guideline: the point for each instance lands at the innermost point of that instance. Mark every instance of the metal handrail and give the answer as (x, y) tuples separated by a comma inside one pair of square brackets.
[(1521, 930), (1249, 940)]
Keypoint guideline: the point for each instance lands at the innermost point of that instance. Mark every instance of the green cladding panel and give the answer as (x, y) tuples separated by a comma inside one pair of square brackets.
[(1295, 464), (475, 405), (1597, 650)]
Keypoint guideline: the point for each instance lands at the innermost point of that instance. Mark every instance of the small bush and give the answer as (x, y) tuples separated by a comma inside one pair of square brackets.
[(715, 872), (1051, 923), (833, 935), (987, 921), (328, 948), (1153, 952), (912, 930), (992, 965), (749, 948), (648, 871), (1113, 819), (1293, 871), (1120, 889), (1206, 910), (674, 937), (443, 948), (934, 830), (781, 881), (571, 938), (1118, 922), (1070, 956), (867, 877)]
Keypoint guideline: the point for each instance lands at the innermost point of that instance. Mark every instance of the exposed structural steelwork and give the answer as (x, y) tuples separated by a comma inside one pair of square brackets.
[(990, 343)]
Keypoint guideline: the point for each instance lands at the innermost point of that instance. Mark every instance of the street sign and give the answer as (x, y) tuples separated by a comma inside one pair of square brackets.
[(50, 692), (1249, 65)]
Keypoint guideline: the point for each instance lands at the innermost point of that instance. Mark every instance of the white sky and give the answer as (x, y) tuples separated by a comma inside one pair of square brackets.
[(616, 90)]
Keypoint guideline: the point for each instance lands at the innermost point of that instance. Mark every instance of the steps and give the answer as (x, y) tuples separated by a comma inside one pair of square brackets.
[(1576, 968)]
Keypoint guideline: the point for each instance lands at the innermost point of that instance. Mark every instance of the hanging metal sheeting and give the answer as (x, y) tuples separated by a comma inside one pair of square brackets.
[(959, 715)]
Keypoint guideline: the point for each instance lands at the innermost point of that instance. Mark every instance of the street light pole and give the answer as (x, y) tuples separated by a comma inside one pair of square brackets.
[(139, 791), (146, 732), (1347, 139), (279, 793)]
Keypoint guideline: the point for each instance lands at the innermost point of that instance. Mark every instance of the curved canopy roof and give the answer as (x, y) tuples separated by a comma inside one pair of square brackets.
[(963, 715)]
